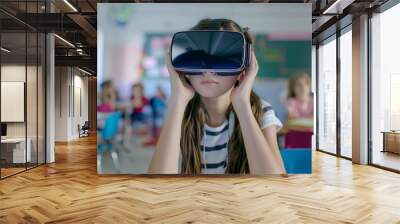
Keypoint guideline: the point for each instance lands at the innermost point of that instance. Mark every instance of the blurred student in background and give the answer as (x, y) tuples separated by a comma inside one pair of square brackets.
[(158, 107), (138, 102), (299, 103), (108, 97), (300, 107)]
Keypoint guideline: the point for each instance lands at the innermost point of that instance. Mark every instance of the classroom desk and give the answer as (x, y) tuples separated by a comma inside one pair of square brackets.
[(13, 150)]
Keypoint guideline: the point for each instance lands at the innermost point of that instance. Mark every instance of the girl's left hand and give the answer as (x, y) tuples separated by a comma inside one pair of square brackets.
[(240, 95)]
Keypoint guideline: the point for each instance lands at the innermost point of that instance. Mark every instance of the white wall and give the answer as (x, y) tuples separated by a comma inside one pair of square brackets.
[(70, 83), (79, 117), (61, 103)]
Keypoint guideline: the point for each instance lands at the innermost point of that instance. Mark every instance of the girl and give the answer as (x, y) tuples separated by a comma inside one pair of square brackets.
[(299, 104), (217, 124)]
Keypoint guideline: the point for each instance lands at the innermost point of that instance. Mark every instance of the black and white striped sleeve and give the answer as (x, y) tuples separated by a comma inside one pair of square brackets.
[(269, 116)]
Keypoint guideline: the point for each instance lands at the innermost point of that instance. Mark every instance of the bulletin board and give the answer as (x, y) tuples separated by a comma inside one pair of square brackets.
[(153, 61)]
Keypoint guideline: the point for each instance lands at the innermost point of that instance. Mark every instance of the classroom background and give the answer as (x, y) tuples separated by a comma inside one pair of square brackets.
[(132, 40)]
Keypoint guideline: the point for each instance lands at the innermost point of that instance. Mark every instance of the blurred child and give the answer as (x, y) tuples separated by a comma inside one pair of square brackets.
[(107, 98), (158, 105), (299, 104), (298, 128), (138, 102)]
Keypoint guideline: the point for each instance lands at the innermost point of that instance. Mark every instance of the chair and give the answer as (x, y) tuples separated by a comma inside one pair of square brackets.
[(107, 139), (297, 160), (296, 154), (84, 130)]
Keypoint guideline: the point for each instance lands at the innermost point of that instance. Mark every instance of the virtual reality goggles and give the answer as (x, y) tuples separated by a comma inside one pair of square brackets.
[(195, 52)]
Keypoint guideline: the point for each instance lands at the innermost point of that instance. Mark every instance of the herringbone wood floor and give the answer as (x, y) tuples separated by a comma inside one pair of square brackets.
[(70, 191)]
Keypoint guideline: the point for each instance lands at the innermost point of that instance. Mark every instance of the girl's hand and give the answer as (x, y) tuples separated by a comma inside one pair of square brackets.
[(240, 95), (181, 91)]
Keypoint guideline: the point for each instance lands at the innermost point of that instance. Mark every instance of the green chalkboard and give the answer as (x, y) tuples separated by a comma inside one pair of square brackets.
[(282, 58)]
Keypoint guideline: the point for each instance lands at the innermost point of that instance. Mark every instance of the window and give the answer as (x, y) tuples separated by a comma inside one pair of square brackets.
[(327, 96), (346, 92), (385, 89), (22, 65)]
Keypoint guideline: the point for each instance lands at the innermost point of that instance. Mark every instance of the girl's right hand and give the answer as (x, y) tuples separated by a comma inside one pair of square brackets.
[(181, 91)]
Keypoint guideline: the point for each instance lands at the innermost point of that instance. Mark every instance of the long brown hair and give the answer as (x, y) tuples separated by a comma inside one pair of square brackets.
[(196, 115)]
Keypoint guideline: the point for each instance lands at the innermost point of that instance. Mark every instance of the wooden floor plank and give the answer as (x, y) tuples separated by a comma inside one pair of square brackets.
[(70, 191)]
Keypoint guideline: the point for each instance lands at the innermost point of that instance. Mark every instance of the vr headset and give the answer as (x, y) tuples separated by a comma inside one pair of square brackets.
[(225, 53)]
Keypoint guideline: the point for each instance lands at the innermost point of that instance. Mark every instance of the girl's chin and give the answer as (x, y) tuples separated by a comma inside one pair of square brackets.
[(210, 94)]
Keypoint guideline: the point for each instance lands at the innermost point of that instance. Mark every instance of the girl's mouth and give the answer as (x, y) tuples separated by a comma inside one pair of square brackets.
[(209, 82)]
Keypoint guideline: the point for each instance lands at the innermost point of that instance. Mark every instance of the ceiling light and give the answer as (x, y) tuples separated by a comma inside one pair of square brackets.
[(84, 71), (5, 50), (65, 41), (337, 7), (70, 5), (326, 11)]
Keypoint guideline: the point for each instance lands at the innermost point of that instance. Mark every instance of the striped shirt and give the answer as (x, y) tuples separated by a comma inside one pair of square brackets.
[(214, 144)]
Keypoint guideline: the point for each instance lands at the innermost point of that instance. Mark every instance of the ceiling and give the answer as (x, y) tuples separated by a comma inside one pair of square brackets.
[(76, 22)]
